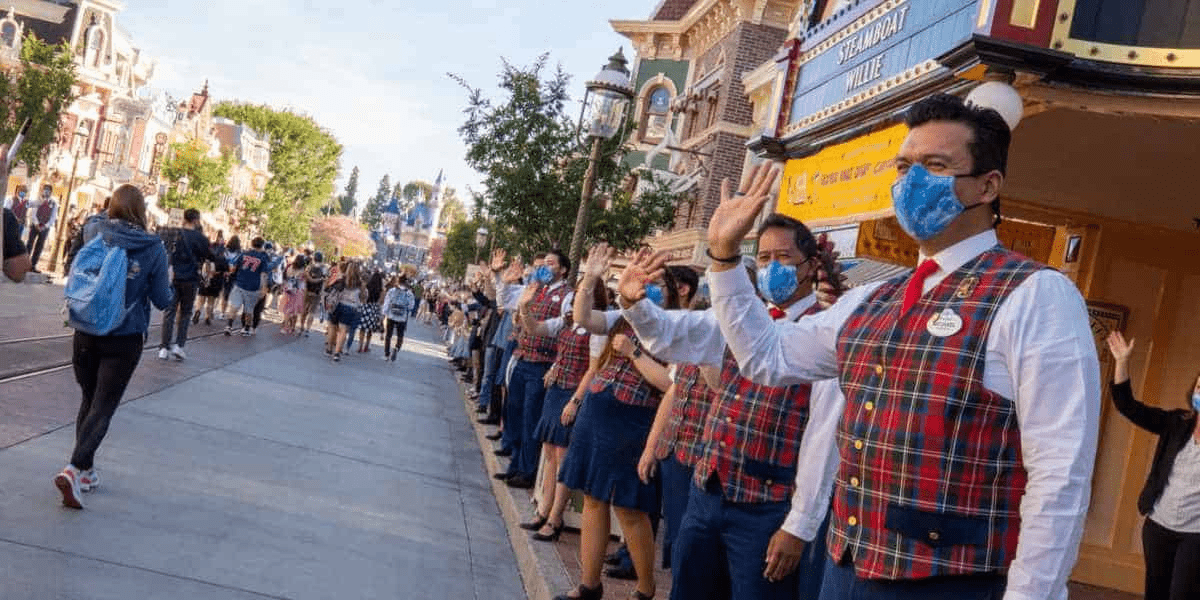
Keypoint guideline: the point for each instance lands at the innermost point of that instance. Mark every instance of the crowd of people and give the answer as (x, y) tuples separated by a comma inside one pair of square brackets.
[(904, 439)]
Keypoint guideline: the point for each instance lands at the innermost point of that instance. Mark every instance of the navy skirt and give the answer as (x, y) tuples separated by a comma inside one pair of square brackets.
[(606, 443), (549, 427)]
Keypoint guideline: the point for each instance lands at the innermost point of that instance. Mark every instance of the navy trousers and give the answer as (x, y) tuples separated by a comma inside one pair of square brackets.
[(720, 552), (676, 488), (841, 583), (526, 394)]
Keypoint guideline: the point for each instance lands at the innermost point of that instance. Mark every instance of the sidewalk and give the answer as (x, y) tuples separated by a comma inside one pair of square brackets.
[(258, 469)]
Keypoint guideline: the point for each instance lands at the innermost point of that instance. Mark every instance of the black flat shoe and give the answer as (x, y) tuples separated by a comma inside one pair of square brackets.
[(501, 476), (494, 436), (520, 482), (503, 452), (551, 537), (488, 421), (536, 524), (481, 410), (585, 593), (620, 573)]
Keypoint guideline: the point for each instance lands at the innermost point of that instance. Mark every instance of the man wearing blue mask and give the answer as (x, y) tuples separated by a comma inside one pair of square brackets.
[(972, 387), (736, 540), (534, 355)]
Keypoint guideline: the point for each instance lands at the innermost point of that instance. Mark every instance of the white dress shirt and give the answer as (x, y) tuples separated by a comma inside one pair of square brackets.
[(1040, 353), (694, 337)]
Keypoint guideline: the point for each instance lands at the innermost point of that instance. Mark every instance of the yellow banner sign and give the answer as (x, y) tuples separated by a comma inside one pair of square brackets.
[(846, 183)]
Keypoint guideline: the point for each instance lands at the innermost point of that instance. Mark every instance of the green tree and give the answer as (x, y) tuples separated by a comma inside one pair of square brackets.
[(207, 177), (40, 90), (344, 203), (526, 147), (371, 213), (460, 248), (304, 164)]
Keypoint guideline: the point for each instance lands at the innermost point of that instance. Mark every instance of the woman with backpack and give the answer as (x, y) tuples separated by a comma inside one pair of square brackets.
[(106, 353)]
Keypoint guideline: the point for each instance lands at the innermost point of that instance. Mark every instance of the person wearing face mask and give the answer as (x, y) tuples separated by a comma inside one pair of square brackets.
[(613, 423), (958, 475), (534, 355), (1170, 500), (737, 539)]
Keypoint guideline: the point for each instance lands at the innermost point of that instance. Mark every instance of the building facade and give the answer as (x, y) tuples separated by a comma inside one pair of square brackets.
[(1097, 182), (694, 116)]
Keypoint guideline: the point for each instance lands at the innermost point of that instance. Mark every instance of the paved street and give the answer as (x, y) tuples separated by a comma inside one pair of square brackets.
[(255, 469)]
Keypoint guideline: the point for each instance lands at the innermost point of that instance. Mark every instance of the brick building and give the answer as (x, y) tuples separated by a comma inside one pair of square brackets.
[(710, 117)]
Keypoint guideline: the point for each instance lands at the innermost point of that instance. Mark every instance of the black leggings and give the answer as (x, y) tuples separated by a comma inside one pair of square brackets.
[(103, 367), (398, 327), (1172, 562)]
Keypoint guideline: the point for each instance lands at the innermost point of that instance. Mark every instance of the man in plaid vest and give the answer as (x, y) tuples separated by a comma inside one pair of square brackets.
[(731, 543), (534, 355), (972, 399)]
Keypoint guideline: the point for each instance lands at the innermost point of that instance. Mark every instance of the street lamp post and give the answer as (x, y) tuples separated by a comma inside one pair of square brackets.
[(67, 205), (481, 238), (608, 96)]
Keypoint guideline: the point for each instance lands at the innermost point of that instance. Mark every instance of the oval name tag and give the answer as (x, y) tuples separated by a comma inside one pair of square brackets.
[(944, 324), (580, 330), (556, 299)]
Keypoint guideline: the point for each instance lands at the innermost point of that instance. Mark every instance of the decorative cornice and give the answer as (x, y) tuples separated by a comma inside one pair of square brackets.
[(922, 69)]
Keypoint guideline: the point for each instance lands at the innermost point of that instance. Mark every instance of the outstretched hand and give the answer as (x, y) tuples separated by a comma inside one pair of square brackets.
[(736, 214), (513, 273), (646, 266), (499, 257), (599, 259), (1121, 350)]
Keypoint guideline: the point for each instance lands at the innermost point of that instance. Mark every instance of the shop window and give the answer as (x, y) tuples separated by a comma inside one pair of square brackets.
[(823, 10), (8, 34), (656, 117), (1148, 23)]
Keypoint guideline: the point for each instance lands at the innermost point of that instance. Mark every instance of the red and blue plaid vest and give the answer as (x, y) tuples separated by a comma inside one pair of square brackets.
[(572, 356), (546, 304), (20, 209), (752, 437), (693, 398), (931, 477), (619, 373)]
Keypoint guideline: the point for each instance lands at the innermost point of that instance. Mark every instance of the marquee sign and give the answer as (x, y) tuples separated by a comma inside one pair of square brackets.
[(882, 48)]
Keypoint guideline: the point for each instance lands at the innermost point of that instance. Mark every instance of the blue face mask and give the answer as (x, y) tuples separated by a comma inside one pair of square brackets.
[(1196, 402), (543, 275), (654, 293), (925, 203), (777, 282)]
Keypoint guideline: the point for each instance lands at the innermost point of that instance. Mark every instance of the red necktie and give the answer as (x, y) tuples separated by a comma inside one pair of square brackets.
[(913, 292), (776, 313)]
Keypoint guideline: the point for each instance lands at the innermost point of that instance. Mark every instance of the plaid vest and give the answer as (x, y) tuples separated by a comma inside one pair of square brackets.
[(43, 211), (752, 436), (20, 209), (931, 477), (546, 304), (693, 398), (572, 355), (618, 373)]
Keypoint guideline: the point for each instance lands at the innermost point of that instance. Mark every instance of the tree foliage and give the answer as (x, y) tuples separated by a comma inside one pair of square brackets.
[(373, 211), (453, 210), (460, 248), (341, 236), (344, 203), (40, 90), (526, 147), (207, 177), (304, 164)]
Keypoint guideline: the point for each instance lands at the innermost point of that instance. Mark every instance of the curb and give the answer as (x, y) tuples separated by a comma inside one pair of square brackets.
[(542, 571)]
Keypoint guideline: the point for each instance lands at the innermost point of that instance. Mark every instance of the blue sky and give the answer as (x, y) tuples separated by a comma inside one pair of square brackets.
[(373, 72)]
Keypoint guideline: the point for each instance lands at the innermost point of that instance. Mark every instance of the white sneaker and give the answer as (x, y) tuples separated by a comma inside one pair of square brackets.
[(177, 352), (89, 480), (67, 482), (163, 354)]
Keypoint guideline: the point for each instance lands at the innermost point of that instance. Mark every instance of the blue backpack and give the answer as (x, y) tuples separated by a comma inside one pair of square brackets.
[(95, 290)]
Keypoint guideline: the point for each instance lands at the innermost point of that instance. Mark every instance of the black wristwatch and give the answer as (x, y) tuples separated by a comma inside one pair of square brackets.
[(637, 353)]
